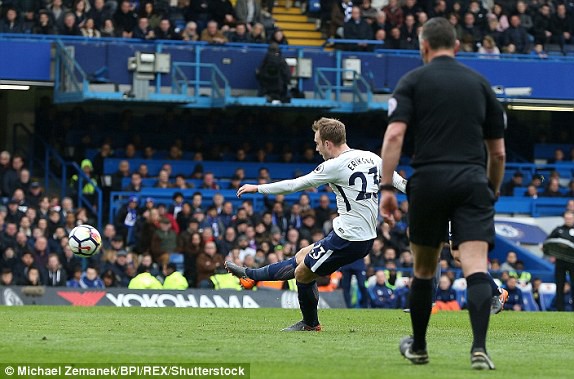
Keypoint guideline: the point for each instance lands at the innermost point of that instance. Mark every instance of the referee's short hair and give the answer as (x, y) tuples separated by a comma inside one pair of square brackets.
[(439, 33)]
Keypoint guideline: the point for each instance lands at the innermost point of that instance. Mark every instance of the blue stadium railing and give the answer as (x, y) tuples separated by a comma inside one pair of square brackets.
[(381, 69), (57, 172)]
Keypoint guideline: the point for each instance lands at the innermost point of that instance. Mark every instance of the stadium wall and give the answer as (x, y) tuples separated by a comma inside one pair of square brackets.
[(123, 297)]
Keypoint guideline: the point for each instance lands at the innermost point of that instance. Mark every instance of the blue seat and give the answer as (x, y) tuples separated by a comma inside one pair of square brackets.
[(177, 258)]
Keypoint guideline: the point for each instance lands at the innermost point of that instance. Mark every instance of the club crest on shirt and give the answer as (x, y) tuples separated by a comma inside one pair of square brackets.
[(392, 106), (319, 168)]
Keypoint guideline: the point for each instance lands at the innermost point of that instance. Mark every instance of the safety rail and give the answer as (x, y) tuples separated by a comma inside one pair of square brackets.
[(325, 89), (57, 172), (218, 83), (70, 78)]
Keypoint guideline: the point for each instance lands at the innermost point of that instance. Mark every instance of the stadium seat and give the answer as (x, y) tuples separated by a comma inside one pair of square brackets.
[(528, 301), (459, 286), (177, 258), (547, 292)]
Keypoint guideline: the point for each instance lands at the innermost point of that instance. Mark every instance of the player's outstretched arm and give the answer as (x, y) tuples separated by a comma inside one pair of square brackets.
[(247, 188)]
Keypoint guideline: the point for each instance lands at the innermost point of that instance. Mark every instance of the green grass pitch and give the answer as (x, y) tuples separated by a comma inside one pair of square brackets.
[(353, 343)]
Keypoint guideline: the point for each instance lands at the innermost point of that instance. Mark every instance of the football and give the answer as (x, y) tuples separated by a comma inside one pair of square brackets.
[(85, 240)]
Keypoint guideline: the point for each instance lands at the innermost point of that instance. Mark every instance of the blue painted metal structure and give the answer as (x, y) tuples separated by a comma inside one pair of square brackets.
[(235, 64)]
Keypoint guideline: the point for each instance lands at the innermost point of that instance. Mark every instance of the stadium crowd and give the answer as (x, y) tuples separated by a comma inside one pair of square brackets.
[(152, 241), (488, 27)]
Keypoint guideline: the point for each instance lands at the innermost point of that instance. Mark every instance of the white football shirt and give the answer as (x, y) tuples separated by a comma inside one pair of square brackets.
[(354, 177)]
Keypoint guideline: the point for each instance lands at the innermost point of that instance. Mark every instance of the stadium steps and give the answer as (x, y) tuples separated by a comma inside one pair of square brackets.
[(296, 26)]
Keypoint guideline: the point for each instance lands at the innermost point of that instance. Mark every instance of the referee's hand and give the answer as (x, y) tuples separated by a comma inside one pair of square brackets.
[(388, 206)]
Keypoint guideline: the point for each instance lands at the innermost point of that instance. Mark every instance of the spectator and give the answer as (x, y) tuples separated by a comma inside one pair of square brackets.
[(98, 13), (147, 264), (223, 13), (143, 30), (108, 29), (33, 277), (126, 220), (515, 182), (471, 33), (109, 279), (516, 37), (273, 75), (542, 29), (553, 189), (411, 7), (44, 24), (357, 28), (125, 20), (278, 37), (135, 183), (57, 11), (162, 180), (144, 280), (409, 35), (248, 12), (189, 33), (515, 299), (69, 261), (11, 175), (7, 277), (381, 23), (557, 157), (56, 275), (559, 246), (489, 47), (208, 261), (446, 295), (257, 34), (212, 34), (382, 296), (524, 15), (165, 31), (79, 10), (240, 34), (151, 14), (393, 40), (163, 242), (368, 13), (500, 14), (493, 32), (173, 278), (200, 12), (10, 23), (510, 263), (70, 27), (394, 13)]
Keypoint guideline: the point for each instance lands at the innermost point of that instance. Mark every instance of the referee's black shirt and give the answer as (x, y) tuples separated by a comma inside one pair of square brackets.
[(451, 109)]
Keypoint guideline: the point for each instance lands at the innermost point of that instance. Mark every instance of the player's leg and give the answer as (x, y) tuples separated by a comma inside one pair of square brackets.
[(420, 299), (499, 295), (346, 285), (326, 257), (308, 295), (361, 276), (284, 270), (428, 225), (479, 294), (560, 279)]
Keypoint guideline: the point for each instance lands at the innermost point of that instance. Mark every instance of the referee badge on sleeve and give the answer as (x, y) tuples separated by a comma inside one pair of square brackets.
[(392, 106)]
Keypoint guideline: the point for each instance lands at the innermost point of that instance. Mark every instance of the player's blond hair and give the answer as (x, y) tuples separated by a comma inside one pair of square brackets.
[(331, 129)]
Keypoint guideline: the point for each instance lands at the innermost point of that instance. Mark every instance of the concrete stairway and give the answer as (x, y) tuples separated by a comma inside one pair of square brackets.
[(296, 26)]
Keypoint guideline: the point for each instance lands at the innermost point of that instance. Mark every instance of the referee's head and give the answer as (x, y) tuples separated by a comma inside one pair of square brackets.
[(438, 37)]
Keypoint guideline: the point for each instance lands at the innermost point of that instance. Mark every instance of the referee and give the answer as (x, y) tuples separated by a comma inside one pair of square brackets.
[(453, 114)]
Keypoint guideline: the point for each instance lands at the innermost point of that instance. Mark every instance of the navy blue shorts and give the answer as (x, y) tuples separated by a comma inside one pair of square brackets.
[(333, 252)]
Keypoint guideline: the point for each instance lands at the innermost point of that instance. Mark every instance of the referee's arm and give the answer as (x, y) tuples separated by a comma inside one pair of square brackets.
[(496, 162), (391, 151)]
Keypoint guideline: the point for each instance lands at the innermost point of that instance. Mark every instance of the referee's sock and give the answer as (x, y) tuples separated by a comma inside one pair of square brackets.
[(308, 301), (420, 302), (478, 296), (283, 270)]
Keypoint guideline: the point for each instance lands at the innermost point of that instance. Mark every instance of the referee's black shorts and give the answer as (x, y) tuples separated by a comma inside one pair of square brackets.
[(459, 193)]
